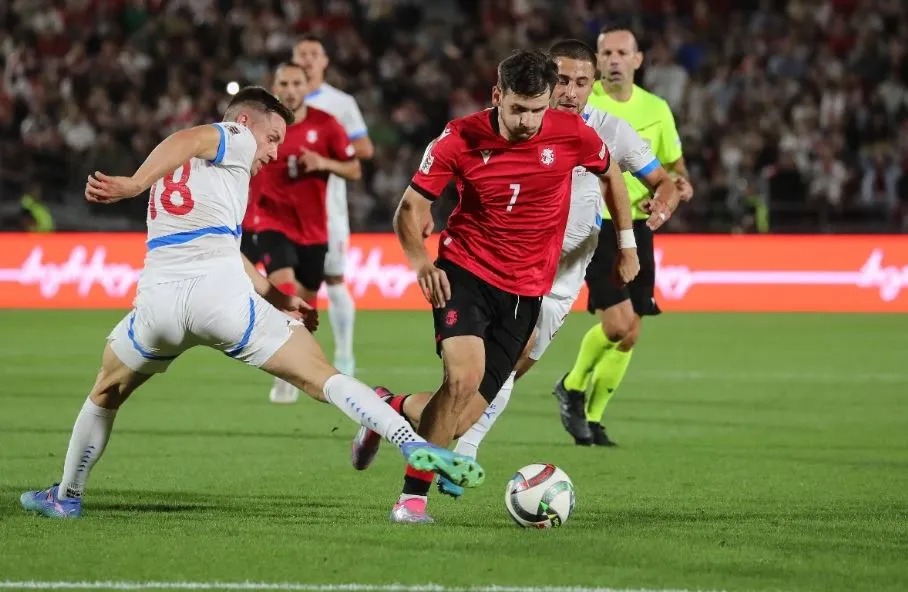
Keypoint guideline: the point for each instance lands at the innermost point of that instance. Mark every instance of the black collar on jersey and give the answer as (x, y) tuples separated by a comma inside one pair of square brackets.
[(493, 120)]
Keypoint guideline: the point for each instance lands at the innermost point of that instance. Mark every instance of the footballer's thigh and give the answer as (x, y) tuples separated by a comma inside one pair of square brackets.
[(301, 362), (115, 381), (461, 326), (463, 357), (145, 342), (231, 317)]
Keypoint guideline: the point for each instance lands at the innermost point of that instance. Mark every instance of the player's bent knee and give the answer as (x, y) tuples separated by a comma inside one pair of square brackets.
[(618, 323), (115, 381), (465, 361), (462, 384), (630, 339)]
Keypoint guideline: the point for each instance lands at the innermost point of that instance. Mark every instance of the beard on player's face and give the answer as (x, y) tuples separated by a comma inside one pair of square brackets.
[(521, 116), (521, 132), (571, 104), (292, 102)]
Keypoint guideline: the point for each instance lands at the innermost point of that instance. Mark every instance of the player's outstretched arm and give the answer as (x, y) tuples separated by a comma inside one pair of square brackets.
[(413, 224), (196, 142), (619, 206)]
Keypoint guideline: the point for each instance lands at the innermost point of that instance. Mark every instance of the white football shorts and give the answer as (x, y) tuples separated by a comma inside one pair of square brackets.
[(218, 310), (557, 304)]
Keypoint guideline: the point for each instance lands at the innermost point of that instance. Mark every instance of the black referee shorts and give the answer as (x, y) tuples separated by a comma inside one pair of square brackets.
[(603, 293)]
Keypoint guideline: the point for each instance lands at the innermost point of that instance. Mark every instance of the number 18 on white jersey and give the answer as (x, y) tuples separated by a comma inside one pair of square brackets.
[(195, 213)]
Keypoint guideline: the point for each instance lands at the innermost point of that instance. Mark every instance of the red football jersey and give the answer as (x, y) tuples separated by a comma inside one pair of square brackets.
[(509, 223), (293, 202), (251, 219)]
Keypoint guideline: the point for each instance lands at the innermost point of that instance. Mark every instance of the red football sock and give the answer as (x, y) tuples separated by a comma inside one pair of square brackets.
[(417, 482), (397, 403)]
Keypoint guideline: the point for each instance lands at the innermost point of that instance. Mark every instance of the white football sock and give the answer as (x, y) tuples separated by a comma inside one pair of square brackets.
[(86, 445), (283, 392), (362, 405), (341, 312), (468, 444)]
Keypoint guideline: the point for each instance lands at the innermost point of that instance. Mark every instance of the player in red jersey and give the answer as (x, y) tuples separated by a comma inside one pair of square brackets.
[(291, 215), (499, 253)]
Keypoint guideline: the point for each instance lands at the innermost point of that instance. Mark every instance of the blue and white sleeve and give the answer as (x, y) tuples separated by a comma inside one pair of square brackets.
[(636, 155), (236, 147)]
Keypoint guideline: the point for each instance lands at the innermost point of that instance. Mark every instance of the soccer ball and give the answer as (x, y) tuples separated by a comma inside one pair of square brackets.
[(540, 496)]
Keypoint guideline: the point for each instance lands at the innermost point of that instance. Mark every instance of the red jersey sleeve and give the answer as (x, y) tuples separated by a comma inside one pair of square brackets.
[(339, 146), (593, 155), (439, 164)]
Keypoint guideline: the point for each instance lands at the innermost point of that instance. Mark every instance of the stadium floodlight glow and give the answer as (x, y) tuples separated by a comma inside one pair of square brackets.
[(233, 87)]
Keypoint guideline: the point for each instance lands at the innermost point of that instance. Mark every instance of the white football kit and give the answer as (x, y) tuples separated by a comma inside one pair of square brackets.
[(344, 108), (193, 289), (581, 236)]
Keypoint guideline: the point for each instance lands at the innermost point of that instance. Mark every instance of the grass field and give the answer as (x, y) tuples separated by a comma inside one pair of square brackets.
[(757, 453)]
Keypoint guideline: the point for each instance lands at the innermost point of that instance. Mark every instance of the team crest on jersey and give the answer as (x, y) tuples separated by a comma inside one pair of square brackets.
[(547, 156), (312, 136)]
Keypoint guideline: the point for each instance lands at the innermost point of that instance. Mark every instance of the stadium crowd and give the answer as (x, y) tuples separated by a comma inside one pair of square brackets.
[(793, 113)]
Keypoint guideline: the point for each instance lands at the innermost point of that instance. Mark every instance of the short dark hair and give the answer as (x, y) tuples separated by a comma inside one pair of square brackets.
[(574, 49), (528, 73), (619, 25), (259, 99), (289, 64), (310, 37)]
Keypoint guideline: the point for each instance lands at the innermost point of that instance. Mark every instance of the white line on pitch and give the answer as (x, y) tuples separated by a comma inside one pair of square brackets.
[(297, 587)]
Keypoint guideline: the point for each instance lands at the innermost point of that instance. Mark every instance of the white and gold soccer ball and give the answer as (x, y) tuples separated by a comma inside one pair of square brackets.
[(540, 496)]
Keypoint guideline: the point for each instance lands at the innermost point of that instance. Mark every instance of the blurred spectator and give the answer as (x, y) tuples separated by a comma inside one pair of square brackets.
[(35, 216), (793, 114)]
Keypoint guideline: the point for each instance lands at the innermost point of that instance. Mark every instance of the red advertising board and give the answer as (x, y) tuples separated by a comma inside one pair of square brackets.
[(817, 273)]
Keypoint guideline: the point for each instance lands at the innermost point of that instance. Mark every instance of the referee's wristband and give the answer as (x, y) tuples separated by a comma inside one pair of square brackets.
[(626, 239)]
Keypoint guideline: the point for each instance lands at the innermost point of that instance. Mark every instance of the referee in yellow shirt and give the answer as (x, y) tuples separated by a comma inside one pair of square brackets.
[(606, 349)]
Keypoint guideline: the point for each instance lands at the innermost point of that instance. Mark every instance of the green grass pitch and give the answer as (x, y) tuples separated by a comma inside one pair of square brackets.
[(758, 452)]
